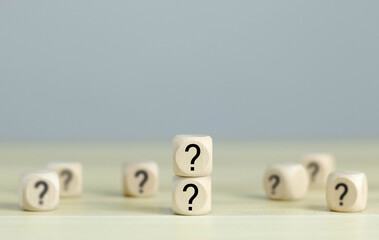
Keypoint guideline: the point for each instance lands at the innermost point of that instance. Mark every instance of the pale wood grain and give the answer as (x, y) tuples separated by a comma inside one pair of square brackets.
[(240, 208)]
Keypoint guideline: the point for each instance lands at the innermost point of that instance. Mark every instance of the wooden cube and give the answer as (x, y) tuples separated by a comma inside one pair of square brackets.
[(346, 191), (70, 177), (39, 190), (287, 181), (192, 155), (141, 179), (191, 196), (319, 166)]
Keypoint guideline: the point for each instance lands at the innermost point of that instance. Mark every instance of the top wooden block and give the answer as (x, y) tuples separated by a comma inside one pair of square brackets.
[(192, 155)]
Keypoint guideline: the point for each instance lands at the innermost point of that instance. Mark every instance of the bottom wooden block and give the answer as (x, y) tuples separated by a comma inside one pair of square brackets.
[(39, 191), (191, 196)]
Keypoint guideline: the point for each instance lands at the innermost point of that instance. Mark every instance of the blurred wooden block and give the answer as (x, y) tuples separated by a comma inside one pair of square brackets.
[(346, 191), (286, 181), (319, 166), (191, 196), (70, 177), (39, 190), (192, 155), (141, 179)]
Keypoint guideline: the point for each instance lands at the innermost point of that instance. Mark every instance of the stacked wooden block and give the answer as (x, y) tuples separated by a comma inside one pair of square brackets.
[(191, 193)]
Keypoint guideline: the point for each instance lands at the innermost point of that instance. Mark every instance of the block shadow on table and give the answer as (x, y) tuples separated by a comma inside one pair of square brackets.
[(9, 207), (318, 208)]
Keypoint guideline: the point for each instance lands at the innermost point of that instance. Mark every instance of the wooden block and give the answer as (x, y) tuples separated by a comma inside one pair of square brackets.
[(192, 155), (70, 177), (39, 190), (141, 179), (287, 181), (191, 196), (346, 191), (319, 166)]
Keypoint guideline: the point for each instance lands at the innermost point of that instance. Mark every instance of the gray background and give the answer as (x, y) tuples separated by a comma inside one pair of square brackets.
[(105, 70)]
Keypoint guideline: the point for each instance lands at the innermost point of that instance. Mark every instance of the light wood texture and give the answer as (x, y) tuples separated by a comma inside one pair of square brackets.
[(192, 155), (286, 181), (141, 179), (346, 191), (70, 177), (191, 196), (240, 208), (39, 190), (319, 166)]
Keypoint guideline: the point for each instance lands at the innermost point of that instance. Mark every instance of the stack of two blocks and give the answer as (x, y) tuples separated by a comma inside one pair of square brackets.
[(191, 193)]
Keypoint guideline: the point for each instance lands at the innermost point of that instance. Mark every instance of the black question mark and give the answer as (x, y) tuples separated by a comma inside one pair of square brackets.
[(315, 171), (45, 188), (196, 191), (277, 180), (144, 180), (344, 192), (196, 155), (68, 173)]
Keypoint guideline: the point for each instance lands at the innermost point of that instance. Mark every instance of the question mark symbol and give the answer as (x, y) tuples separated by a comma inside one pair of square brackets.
[(196, 191), (144, 180), (67, 173), (344, 192), (315, 171), (45, 188), (196, 155), (276, 183)]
